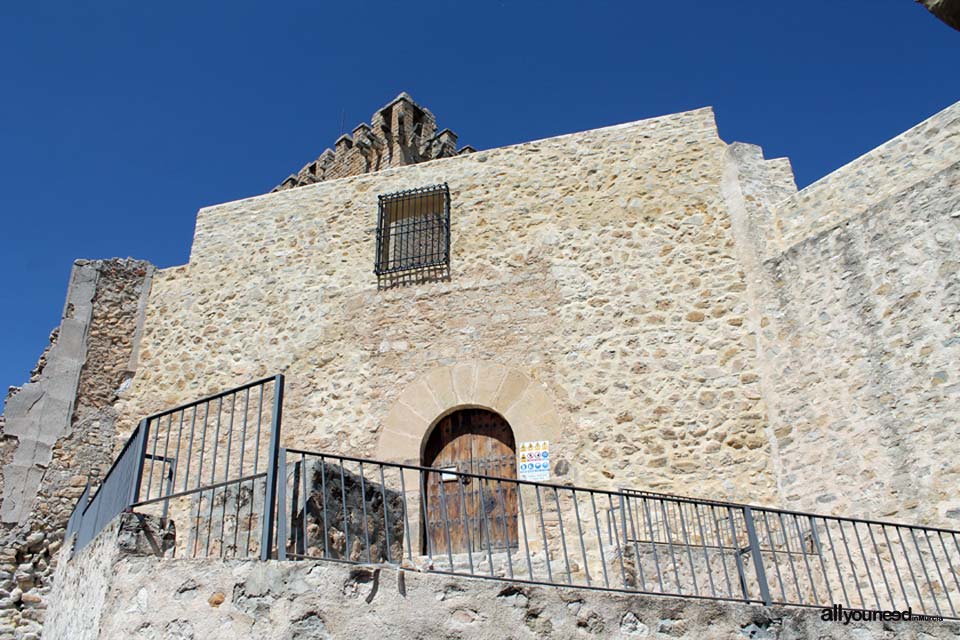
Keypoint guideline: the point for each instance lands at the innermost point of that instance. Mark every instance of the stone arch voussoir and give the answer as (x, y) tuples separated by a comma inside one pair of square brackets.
[(522, 401)]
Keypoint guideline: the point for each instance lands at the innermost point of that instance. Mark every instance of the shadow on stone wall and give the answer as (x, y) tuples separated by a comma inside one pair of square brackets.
[(350, 508)]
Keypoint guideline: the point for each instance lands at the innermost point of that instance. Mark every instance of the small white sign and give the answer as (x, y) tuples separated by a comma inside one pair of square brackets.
[(533, 460), (448, 474)]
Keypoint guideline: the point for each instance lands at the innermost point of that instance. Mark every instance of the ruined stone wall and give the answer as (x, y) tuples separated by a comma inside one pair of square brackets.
[(400, 133), (113, 589), (59, 431), (599, 264)]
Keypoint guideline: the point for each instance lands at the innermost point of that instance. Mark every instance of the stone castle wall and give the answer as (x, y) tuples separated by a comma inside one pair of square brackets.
[(697, 325), (600, 265), (858, 313), (663, 307), (865, 183), (854, 282), (58, 430), (861, 345)]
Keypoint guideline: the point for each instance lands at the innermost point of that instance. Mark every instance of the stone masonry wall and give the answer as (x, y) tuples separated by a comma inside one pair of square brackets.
[(863, 340), (600, 264), (913, 156), (698, 326), (59, 429), (115, 589), (858, 314)]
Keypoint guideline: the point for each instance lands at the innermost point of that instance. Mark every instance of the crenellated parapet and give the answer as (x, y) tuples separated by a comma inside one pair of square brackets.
[(400, 133)]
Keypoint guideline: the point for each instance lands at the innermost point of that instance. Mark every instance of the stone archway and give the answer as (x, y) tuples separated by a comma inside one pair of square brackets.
[(522, 402)]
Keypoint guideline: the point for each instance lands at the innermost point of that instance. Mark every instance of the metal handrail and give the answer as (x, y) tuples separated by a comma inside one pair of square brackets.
[(311, 505), (174, 443), (653, 543), (210, 398), (755, 507)]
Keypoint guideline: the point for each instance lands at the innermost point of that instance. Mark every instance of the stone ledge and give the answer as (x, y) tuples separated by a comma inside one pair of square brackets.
[(252, 599)]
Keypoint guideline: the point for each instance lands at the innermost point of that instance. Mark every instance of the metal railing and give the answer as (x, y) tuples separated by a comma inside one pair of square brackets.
[(360, 510), (112, 497), (813, 560), (214, 467), (208, 466), (365, 511), (76, 516)]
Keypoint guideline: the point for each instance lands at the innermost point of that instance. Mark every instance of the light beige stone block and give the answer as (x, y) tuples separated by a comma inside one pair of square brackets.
[(419, 398), (489, 378), (464, 378), (441, 386), (513, 385)]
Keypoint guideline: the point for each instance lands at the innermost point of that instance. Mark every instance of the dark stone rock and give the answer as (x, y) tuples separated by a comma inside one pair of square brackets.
[(349, 508), (144, 535)]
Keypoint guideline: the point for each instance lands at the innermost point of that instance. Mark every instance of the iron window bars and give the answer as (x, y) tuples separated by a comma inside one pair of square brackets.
[(413, 229)]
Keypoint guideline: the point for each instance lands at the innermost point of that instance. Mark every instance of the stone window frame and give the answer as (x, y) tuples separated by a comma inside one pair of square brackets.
[(413, 230)]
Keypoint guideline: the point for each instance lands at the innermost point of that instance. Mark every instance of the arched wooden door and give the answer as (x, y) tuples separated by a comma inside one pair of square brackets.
[(470, 514)]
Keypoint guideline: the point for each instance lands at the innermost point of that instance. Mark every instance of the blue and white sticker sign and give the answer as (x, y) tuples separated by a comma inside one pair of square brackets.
[(533, 460)]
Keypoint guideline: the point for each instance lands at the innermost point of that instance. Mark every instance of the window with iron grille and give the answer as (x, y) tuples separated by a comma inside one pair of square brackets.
[(413, 229)]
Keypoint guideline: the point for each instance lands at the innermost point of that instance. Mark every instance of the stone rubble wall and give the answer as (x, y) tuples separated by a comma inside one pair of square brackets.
[(400, 133), (848, 192), (856, 308), (117, 587), (861, 339), (600, 264), (632, 272), (59, 429)]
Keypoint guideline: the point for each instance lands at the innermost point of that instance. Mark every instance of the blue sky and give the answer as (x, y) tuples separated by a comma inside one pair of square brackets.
[(119, 120)]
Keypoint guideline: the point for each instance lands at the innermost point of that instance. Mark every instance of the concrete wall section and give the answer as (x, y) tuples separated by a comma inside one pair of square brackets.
[(39, 414)]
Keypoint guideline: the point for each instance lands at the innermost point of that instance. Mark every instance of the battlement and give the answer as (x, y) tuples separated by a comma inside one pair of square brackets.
[(400, 133)]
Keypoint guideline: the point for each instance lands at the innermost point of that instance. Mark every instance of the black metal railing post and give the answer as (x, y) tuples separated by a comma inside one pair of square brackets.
[(282, 507), (141, 448), (623, 526), (757, 556), (270, 496)]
